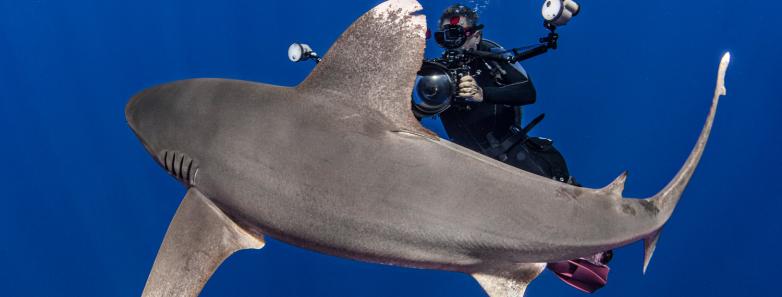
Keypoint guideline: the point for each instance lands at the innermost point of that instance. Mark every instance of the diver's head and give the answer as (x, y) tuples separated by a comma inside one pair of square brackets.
[(459, 28)]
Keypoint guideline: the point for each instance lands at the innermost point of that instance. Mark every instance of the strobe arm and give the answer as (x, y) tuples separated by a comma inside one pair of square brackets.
[(521, 54), (546, 43)]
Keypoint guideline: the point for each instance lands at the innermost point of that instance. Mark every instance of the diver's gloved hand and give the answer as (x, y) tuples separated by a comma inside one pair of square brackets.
[(469, 89)]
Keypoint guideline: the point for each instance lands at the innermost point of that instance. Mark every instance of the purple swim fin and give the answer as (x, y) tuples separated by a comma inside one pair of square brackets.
[(581, 274)]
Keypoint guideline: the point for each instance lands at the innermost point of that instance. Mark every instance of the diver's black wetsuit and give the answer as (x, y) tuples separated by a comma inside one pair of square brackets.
[(484, 126)]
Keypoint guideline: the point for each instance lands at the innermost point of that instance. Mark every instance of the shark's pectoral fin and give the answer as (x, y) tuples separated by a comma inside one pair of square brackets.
[(509, 282), (373, 64), (198, 239)]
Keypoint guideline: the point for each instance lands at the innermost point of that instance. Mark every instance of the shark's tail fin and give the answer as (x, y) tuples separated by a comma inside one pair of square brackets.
[(665, 201)]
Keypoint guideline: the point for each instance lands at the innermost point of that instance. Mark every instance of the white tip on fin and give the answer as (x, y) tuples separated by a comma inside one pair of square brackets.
[(650, 243), (198, 239), (721, 74), (509, 282)]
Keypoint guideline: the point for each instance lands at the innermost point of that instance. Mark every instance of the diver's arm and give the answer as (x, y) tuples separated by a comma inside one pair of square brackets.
[(517, 91), (517, 94)]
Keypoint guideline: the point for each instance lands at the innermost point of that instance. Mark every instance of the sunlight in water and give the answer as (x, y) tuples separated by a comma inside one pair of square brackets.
[(478, 5)]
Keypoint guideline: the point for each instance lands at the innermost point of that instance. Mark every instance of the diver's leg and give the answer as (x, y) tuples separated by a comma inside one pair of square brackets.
[(589, 273)]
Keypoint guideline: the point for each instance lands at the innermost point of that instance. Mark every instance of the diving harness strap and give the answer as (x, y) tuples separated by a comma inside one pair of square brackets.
[(499, 149)]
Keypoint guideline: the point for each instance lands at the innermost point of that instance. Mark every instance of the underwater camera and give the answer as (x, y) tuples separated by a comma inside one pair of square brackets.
[(434, 89), (437, 83)]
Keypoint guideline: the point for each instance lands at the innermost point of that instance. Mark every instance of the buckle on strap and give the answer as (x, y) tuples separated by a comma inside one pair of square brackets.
[(498, 149)]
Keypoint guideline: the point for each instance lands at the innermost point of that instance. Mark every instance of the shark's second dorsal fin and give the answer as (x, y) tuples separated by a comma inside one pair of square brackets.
[(374, 63)]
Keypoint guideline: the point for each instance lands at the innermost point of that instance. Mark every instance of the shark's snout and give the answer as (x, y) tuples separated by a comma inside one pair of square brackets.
[(149, 115), (133, 115)]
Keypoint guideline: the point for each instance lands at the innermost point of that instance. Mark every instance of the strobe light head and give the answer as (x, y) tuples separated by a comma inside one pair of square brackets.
[(559, 12), (298, 52)]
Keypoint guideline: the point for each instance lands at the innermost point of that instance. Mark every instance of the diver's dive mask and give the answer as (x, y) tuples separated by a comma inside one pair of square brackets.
[(451, 37), (454, 36)]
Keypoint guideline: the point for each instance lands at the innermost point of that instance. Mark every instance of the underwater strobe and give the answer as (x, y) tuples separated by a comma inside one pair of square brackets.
[(559, 12), (298, 52)]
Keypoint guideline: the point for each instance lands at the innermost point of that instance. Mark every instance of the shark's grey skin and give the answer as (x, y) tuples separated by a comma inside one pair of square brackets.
[(339, 165)]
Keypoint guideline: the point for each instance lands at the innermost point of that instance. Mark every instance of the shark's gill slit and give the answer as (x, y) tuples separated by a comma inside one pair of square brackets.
[(170, 161), (163, 159), (179, 168), (180, 165), (186, 171)]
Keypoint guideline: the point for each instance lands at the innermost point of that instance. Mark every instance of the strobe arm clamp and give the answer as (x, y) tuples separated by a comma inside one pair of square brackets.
[(551, 39)]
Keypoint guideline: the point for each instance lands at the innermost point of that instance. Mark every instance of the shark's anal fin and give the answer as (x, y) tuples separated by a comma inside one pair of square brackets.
[(198, 239), (509, 281)]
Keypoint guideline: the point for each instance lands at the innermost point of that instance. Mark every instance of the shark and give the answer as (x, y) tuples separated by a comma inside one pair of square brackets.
[(335, 164)]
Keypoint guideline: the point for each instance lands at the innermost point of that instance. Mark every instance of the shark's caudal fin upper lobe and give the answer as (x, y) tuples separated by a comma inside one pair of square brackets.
[(669, 196)]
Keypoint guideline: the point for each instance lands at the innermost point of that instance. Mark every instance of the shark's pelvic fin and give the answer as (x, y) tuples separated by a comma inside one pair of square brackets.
[(509, 282), (374, 63), (198, 239)]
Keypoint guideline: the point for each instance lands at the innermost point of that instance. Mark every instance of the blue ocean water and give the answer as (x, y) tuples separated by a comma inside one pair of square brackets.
[(84, 208)]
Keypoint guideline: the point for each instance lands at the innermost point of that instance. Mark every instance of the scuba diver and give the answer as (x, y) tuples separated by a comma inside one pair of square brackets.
[(477, 89)]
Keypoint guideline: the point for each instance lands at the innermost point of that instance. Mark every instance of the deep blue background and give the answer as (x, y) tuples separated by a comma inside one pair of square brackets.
[(84, 208)]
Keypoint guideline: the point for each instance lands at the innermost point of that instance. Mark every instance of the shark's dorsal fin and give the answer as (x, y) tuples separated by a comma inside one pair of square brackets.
[(374, 63)]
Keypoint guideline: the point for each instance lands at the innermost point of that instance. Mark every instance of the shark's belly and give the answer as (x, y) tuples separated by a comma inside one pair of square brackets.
[(342, 197), (393, 198)]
